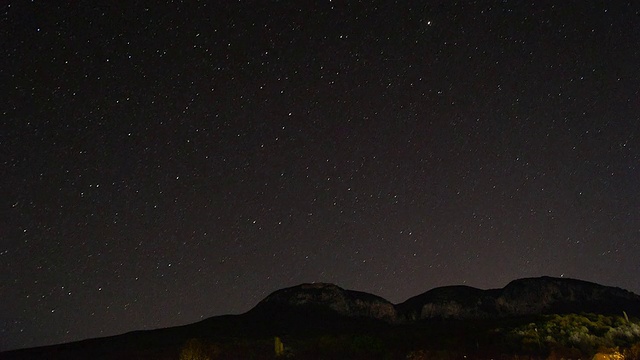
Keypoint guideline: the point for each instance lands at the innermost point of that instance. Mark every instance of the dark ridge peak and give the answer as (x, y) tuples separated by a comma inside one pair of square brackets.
[(528, 296), (563, 294), (445, 291), (458, 301), (308, 287), (550, 280), (326, 298), (565, 288), (318, 285), (306, 293), (311, 286), (318, 292), (455, 293)]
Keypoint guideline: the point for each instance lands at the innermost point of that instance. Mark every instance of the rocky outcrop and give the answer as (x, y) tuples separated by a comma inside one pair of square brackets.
[(328, 296), (544, 295), (450, 302), (558, 295)]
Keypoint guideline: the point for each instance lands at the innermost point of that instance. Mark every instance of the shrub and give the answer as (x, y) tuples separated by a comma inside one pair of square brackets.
[(195, 349)]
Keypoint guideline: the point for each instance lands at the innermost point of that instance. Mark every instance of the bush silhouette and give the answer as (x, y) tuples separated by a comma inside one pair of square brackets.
[(195, 349)]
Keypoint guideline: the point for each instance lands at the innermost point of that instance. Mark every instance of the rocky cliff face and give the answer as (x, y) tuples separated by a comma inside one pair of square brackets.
[(556, 295), (451, 302), (543, 295), (328, 296)]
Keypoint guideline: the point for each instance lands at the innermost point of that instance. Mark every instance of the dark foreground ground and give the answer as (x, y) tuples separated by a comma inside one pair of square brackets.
[(325, 336)]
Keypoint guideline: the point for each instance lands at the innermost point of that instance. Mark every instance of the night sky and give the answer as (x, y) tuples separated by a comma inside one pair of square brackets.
[(168, 161)]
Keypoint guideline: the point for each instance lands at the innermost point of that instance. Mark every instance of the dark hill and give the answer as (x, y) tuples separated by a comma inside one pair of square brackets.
[(532, 296), (325, 298), (455, 302)]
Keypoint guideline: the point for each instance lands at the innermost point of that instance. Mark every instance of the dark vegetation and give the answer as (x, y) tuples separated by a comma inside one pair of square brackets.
[(569, 336)]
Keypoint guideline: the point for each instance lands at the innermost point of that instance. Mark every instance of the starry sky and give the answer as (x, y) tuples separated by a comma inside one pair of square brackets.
[(168, 161)]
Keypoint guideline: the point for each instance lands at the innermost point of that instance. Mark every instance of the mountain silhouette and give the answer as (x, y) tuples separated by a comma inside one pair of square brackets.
[(313, 310), (327, 297), (531, 296)]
